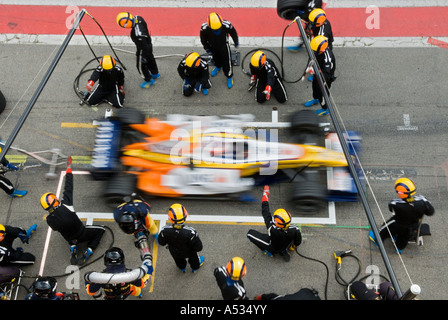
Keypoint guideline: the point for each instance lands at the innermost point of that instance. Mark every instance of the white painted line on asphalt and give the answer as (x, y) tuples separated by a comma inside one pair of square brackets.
[(91, 216), (47, 239), (407, 124), (194, 42)]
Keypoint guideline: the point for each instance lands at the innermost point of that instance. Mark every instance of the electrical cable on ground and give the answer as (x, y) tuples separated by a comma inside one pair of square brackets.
[(326, 268)]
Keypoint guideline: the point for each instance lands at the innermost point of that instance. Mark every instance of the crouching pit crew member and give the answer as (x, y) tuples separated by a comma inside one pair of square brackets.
[(194, 73), (63, 219), (110, 84), (282, 237)]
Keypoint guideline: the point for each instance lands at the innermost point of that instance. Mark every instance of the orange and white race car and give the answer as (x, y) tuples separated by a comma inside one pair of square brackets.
[(194, 156)]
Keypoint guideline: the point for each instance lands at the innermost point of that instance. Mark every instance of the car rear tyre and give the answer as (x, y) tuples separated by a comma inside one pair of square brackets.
[(308, 196), (129, 116), (305, 127)]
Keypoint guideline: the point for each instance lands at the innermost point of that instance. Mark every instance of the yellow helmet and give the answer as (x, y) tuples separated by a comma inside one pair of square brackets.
[(282, 218), (214, 21), (317, 17), (236, 268), (107, 62), (49, 201), (258, 59), (319, 44), (2, 232), (177, 214), (405, 188), (192, 59), (125, 20)]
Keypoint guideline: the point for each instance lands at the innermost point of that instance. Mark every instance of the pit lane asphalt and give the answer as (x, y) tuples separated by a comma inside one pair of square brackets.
[(375, 90)]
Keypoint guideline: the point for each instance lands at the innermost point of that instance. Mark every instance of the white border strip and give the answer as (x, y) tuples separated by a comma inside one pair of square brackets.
[(194, 42), (47, 239), (90, 216)]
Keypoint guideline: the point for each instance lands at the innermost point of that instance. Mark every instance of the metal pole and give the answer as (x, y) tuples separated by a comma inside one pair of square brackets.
[(411, 293), (317, 74), (42, 85)]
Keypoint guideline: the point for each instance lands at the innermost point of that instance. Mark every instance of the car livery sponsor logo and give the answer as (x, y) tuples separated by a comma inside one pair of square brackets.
[(105, 152)]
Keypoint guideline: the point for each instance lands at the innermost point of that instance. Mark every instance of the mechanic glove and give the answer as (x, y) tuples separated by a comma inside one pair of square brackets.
[(267, 92), (90, 85), (145, 279), (10, 166), (266, 192), (253, 79), (310, 70), (236, 45), (69, 165)]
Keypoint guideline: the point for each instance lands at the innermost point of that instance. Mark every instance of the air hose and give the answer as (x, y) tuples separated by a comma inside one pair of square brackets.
[(326, 268), (280, 59), (338, 255)]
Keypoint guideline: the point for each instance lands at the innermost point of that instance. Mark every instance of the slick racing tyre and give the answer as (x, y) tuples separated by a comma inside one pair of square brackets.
[(288, 9), (2, 102), (305, 127), (129, 116), (119, 186), (305, 121)]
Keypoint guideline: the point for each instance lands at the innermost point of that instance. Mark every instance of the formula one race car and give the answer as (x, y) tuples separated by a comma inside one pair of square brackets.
[(199, 155)]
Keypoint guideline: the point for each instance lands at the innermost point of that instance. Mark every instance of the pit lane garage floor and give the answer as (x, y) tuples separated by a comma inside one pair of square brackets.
[(373, 102)]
